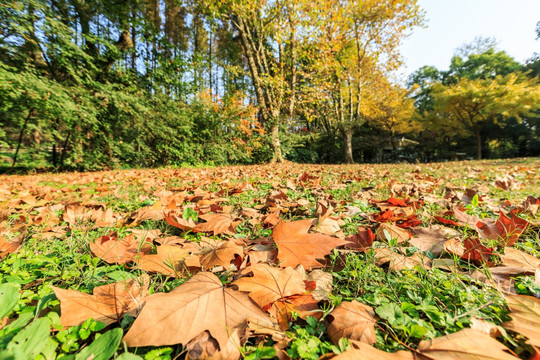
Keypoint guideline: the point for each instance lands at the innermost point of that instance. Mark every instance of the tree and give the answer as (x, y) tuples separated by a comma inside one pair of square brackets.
[(470, 105)]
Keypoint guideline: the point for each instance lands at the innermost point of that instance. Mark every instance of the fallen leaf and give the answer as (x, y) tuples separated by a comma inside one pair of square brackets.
[(464, 344), (10, 246), (323, 284), (399, 261), (204, 346), (222, 255), (269, 284), (176, 220), (168, 260), (517, 258), (364, 351), (199, 304), (470, 249), (108, 304), (485, 327), (217, 224), (506, 230), (297, 247), (525, 314), (429, 238), (386, 231), (360, 241), (352, 320), (304, 305), (120, 251)]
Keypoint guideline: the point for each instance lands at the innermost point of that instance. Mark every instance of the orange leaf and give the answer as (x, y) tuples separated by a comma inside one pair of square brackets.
[(297, 247), (199, 304), (354, 321), (269, 284), (109, 303)]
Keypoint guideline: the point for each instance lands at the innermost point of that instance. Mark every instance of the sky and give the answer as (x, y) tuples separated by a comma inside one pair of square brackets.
[(452, 23)]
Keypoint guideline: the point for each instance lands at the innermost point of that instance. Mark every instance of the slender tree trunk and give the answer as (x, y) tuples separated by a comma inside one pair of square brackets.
[(21, 134), (347, 139), (478, 143), (276, 146)]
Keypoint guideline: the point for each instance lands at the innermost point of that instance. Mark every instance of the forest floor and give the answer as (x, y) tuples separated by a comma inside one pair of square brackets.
[(283, 261)]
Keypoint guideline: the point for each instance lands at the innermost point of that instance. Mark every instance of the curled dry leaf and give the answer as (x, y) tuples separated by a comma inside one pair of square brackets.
[(465, 344), (108, 304), (525, 314), (360, 241), (399, 261), (352, 320), (10, 246), (297, 247), (176, 220), (199, 304), (269, 284)]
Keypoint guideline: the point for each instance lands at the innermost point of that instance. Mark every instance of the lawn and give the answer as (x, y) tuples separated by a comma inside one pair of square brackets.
[(273, 261)]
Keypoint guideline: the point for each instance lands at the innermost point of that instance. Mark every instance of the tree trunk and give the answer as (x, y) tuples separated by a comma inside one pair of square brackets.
[(276, 146), (478, 143), (30, 113), (347, 139)]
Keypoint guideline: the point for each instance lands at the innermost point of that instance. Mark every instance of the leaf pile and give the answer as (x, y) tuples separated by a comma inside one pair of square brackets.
[(272, 261)]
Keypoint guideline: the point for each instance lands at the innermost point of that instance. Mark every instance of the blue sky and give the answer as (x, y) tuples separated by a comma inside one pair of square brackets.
[(451, 23)]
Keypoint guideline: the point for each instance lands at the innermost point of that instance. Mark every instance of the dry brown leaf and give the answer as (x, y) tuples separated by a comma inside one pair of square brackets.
[(169, 260), (297, 247), (222, 255), (176, 220), (465, 344), (364, 351), (393, 231), (11, 246), (327, 226), (120, 251), (352, 320), (517, 258), (399, 261), (525, 314), (485, 327), (323, 284), (109, 303), (304, 305), (429, 238), (217, 224), (269, 284), (204, 346), (199, 304), (506, 230), (266, 329)]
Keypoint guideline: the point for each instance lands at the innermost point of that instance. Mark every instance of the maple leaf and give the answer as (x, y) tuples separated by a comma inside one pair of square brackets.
[(108, 304), (217, 224), (297, 247), (352, 320), (399, 261), (199, 304), (517, 258), (465, 344), (388, 230), (222, 255), (269, 284), (364, 351), (429, 239), (304, 305), (112, 250), (525, 314), (173, 219), (471, 249), (361, 241), (11, 246), (204, 346), (168, 260), (507, 230)]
